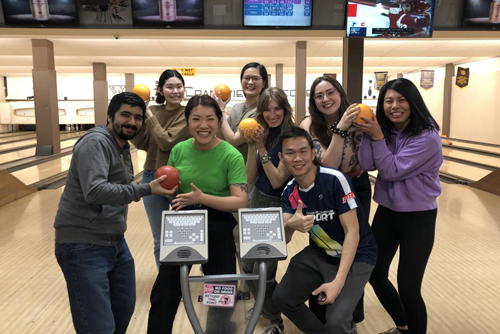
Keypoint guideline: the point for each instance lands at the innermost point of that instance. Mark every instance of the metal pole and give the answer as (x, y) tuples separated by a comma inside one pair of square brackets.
[(188, 303), (259, 301)]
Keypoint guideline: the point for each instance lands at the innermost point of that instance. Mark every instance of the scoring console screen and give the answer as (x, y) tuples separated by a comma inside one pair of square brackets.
[(184, 229), (261, 227), (277, 13)]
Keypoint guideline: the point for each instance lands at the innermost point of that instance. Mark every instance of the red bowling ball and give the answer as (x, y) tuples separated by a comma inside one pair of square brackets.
[(172, 174)]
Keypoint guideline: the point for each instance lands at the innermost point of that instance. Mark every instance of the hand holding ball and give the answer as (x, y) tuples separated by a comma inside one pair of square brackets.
[(247, 127), (143, 91), (225, 92), (364, 111), (172, 179)]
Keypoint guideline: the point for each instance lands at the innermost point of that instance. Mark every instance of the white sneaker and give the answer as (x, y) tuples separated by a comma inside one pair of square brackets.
[(274, 328)]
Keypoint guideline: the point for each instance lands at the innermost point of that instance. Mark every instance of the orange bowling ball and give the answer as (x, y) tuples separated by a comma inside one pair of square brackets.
[(225, 91), (143, 91), (248, 124), (364, 111), (172, 174)]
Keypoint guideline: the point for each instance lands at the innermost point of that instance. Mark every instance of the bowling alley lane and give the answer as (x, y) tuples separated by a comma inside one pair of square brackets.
[(30, 152), (494, 149), (33, 141), (48, 169), (456, 169), (478, 158), (14, 133), (21, 136)]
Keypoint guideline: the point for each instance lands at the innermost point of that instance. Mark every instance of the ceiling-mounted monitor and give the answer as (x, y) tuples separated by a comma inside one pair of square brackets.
[(277, 13), (168, 13), (43, 13), (482, 14), (389, 18)]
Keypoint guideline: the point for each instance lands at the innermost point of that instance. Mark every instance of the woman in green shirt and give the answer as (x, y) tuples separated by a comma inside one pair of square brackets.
[(212, 177)]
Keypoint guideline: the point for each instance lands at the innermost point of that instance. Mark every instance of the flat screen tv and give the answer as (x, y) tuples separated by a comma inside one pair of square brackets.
[(389, 18), (277, 13), (46, 13), (482, 14), (173, 13)]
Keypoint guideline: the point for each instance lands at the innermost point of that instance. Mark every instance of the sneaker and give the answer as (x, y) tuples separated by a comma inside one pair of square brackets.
[(394, 330), (248, 315), (274, 328)]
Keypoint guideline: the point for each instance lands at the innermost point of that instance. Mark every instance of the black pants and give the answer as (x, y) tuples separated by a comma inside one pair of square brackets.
[(363, 190), (166, 293), (413, 233)]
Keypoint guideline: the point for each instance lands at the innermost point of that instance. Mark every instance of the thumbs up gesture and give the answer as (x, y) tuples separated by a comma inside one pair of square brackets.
[(299, 222)]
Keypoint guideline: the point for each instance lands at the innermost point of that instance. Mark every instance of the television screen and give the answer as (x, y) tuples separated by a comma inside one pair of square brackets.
[(481, 14), (389, 18), (277, 13), (53, 13), (175, 13)]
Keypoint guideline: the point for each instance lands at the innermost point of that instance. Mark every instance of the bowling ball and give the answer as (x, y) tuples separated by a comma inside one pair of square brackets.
[(143, 91), (248, 124), (450, 143), (225, 92), (172, 174), (364, 111)]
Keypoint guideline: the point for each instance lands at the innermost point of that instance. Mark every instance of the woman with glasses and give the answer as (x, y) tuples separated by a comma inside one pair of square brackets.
[(164, 127), (336, 142), (253, 82)]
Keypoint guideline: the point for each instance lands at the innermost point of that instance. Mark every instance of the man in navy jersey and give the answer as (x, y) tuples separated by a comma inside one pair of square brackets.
[(342, 252)]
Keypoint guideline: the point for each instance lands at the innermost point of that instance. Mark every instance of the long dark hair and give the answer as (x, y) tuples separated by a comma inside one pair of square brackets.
[(420, 117), (319, 128), (167, 74), (262, 72), (203, 100), (277, 95)]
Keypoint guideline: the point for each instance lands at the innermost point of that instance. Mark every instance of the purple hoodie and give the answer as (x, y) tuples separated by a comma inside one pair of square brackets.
[(408, 169)]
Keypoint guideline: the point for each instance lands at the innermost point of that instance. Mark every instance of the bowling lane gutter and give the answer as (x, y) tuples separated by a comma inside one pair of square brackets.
[(10, 150), (59, 180)]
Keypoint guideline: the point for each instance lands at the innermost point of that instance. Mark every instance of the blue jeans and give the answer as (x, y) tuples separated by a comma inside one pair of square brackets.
[(101, 286), (154, 205)]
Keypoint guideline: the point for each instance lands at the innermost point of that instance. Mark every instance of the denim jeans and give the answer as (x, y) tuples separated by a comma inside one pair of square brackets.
[(154, 205), (101, 286)]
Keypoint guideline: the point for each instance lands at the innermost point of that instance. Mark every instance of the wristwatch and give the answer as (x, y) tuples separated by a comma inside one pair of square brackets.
[(264, 158)]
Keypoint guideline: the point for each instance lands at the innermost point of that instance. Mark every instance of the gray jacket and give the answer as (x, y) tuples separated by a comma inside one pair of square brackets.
[(94, 204)]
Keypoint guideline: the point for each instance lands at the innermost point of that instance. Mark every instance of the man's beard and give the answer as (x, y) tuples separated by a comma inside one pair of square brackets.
[(123, 135)]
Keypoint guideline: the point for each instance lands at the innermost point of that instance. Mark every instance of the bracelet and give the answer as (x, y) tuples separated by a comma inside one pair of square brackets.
[(336, 130)]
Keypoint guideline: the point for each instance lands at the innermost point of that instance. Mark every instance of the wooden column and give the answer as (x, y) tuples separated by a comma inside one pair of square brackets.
[(100, 94), (48, 140), (129, 82), (448, 86), (269, 80), (352, 68), (400, 75), (331, 75), (300, 80), (3, 89), (279, 76)]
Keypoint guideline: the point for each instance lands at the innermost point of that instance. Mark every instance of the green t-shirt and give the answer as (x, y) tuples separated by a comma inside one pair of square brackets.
[(211, 171)]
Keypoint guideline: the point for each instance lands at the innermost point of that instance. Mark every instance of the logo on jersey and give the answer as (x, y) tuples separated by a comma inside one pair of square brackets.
[(348, 197), (322, 216), (294, 198)]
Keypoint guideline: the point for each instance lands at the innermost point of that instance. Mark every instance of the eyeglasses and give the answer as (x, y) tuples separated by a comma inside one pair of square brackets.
[(254, 79), (329, 94)]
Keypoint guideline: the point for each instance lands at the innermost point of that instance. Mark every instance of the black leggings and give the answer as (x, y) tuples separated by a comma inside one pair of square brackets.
[(363, 191), (413, 233), (166, 293)]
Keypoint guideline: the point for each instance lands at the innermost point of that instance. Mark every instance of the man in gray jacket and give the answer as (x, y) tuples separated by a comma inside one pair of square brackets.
[(92, 219)]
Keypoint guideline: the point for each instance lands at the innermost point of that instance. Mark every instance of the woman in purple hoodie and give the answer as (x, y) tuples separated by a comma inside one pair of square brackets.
[(403, 144)]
